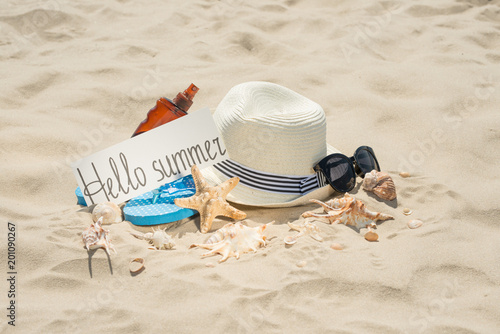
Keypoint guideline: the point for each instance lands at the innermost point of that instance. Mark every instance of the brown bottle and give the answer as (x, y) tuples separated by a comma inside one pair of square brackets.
[(167, 110)]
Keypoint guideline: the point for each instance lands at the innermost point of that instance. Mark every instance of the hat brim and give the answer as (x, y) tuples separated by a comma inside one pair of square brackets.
[(244, 195)]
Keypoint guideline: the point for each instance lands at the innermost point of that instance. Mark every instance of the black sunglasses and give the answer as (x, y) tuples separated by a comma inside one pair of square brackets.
[(340, 171)]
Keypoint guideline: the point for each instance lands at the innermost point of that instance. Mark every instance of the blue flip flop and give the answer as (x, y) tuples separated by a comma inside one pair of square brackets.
[(79, 196), (158, 207)]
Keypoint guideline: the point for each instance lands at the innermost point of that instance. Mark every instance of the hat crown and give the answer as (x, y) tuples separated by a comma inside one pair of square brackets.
[(272, 129)]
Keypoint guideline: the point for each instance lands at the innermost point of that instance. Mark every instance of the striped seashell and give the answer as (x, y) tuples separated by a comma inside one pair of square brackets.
[(381, 184), (90, 236), (222, 233), (96, 237)]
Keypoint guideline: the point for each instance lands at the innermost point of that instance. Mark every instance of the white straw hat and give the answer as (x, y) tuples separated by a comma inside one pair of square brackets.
[(271, 134)]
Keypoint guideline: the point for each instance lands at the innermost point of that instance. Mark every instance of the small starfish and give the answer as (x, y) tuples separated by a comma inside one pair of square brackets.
[(349, 211), (304, 229), (209, 201)]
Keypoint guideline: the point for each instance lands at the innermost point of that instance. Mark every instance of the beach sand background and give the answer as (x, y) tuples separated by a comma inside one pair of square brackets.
[(419, 81)]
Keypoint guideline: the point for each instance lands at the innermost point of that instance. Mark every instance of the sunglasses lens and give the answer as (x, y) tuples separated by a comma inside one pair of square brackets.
[(339, 172), (366, 161)]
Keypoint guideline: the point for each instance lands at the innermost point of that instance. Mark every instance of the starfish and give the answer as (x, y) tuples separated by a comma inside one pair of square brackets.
[(303, 229), (349, 211), (209, 201)]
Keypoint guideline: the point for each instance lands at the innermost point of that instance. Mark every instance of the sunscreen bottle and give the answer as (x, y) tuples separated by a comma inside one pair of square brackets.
[(167, 110)]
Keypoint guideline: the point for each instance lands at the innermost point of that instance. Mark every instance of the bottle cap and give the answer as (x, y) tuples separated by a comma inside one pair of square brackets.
[(185, 100)]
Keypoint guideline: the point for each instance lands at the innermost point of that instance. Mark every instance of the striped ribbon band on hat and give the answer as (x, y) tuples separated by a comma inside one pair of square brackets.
[(275, 183)]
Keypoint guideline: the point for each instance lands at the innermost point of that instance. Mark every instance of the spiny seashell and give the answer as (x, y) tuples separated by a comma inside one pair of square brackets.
[(237, 239), (336, 246), (159, 239), (110, 212), (221, 234), (349, 211), (415, 223), (96, 237), (306, 228), (407, 211), (404, 174), (381, 184)]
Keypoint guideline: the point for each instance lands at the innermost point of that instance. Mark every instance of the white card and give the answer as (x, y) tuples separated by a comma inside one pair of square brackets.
[(151, 159)]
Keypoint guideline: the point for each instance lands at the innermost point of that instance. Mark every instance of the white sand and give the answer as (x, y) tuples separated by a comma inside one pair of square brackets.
[(416, 80)]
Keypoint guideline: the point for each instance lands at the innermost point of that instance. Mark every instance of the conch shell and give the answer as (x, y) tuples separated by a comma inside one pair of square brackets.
[(159, 239), (96, 237), (110, 212), (381, 184), (234, 240), (349, 211), (306, 228)]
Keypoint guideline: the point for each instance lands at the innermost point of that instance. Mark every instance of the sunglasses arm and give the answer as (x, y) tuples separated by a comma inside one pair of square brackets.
[(356, 167)]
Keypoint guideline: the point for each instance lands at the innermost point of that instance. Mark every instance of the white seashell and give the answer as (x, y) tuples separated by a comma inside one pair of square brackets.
[(289, 240), (306, 228), (347, 210), (407, 211), (136, 265), (159, 239), (237, 239), (301, 264), (415, 223), (110, 212), (381, 184), (404, 174), (336, 246)]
